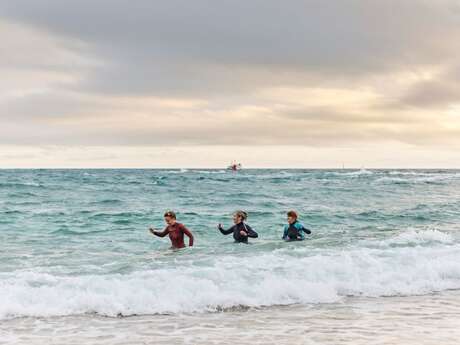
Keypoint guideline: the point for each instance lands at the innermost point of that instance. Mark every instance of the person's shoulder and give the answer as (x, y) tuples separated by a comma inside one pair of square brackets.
[(299, 225), (251, 228), (181, 226)]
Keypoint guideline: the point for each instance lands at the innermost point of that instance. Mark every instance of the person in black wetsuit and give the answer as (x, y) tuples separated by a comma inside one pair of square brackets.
[(241, 231)]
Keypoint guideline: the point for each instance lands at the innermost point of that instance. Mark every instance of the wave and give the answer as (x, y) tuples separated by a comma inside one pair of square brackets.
[(21, 185), (11, 212), (22, 203), (396, 176), (415, 179), (417, 237), (107, 202), (21, 195), (211, 171), (424, 172), (177, 171), (70, 232), (126, 214), (276, 278), (359, 172), (347, 173), (134, 182), (194, 171)]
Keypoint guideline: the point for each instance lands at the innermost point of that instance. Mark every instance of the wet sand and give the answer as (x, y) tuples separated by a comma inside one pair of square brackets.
[(432, 319)]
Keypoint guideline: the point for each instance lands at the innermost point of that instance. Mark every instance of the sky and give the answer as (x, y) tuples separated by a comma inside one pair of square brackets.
[(283, 84)]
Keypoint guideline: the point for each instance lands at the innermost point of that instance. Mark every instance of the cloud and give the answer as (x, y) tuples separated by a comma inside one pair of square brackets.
[(391, 155), (257, 73), (200, 46), (440, 91), (273, 117)]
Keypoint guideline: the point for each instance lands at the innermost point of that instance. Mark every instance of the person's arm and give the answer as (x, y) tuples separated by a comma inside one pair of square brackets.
[(190, 236), (159, 233), (251, 233), (304, 229), (285, 232), (225, 232)]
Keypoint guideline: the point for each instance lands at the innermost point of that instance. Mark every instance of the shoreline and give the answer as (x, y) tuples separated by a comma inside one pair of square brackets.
[(355, 320)]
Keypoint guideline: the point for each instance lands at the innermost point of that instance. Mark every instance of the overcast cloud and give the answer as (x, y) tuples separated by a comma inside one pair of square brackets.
[(313, 74)]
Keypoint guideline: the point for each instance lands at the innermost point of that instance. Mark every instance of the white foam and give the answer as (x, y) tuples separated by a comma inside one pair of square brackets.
[(354, 173), (275, 278), (421, 237), (412, 237), (212, 171), (415, 177)]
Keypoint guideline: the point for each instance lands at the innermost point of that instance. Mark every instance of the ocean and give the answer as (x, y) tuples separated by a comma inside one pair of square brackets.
[(78, 265)]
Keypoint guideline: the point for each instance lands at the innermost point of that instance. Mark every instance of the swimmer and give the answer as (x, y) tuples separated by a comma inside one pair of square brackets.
[(175, 230), (241, 231), (294, 230)]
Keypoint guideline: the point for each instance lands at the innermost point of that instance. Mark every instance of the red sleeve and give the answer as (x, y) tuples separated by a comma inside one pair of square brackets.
[(189, 234), (162, 233)]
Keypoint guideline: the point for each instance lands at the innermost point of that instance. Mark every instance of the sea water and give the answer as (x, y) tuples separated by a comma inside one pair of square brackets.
[(75, 250)]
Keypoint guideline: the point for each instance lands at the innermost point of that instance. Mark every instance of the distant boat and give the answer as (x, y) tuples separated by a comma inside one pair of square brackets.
[(235, 166)]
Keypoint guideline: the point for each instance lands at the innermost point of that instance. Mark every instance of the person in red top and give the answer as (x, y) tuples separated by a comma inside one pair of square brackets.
[(175, 230)]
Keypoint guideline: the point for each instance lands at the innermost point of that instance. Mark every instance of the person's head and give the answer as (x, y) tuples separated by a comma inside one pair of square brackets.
[(239, 216), (292, 217), (170, 217)]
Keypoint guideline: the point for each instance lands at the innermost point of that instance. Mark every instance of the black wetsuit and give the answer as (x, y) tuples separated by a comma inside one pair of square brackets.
[(235, 229)]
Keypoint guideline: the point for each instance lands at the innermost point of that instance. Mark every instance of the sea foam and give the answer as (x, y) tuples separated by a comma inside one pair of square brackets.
[(264, 280)]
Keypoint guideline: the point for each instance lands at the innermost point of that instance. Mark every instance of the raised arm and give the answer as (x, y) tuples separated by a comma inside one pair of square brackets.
[(189, 235), (159, 233), (226, 232), (251, 233)]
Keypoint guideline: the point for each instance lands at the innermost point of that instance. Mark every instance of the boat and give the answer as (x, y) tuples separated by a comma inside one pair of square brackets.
[(235, 166)]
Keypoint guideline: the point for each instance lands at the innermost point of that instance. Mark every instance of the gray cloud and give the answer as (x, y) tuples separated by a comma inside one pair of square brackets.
[(204, 46), (438, 92), (433, 94), (296, 125), (89, 56)]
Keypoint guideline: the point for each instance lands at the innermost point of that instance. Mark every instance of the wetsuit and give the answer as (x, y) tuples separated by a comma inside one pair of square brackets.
[(235, 229), (295, 232), (176, 233)]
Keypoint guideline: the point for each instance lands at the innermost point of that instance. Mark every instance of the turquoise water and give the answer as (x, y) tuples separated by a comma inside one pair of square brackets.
[(76, 241)]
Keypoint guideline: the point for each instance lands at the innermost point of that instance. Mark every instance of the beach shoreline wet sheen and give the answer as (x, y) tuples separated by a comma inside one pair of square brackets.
[(75, 243), (422, 320)]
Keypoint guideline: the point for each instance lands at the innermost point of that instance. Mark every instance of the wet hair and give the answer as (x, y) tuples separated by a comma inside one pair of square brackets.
[(241, 214), (170, 214), (292, 214)]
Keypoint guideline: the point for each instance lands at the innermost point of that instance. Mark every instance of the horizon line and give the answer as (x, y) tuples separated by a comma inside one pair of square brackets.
[(221, 168)]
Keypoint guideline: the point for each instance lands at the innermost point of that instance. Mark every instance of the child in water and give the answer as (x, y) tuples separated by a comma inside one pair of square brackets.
[(294, 230), (175, 230), (241, 231)]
